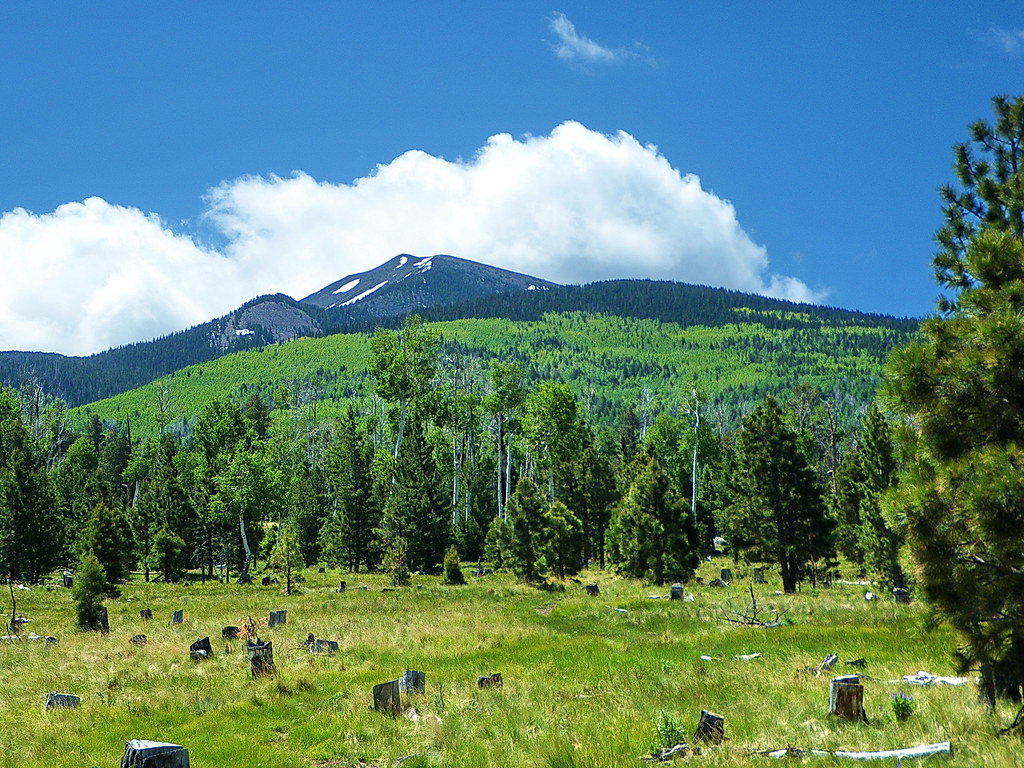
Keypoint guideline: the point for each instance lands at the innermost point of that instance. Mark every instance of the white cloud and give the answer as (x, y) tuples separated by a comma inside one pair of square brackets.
[(91, 275), (1011, 41), (574, 206), (577, 48)]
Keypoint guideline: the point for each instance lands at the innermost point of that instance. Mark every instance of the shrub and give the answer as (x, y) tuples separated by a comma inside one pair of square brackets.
[(90, 587), (452, 567)]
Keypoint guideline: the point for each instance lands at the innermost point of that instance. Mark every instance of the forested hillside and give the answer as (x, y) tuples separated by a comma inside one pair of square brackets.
[(609, 362)]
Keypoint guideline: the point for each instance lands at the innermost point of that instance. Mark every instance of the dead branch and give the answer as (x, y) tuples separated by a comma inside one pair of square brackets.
[(754, 618)]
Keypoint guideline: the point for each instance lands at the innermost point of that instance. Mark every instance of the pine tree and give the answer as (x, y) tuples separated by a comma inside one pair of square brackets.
[(108, 537), (962, 389), (778, 514), (651, 535), (91, 586), (419, 510), (525, 510), (879, 539), (29, 527)]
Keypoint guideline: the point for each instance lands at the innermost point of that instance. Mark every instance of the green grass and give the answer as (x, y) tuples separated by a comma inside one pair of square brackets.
[(584, 684)]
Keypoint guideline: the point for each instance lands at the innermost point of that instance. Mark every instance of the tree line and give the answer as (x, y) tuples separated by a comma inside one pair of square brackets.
[(448, 453)]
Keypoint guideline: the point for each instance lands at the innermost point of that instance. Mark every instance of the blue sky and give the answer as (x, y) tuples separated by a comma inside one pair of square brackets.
[(163, 163)]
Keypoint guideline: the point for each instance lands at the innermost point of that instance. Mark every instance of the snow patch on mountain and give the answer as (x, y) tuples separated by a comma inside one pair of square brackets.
[(348, 286), (364, 294), (402, 261)]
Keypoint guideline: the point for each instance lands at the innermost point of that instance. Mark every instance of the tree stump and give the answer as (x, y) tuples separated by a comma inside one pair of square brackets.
[(387, 697), (489, 681), (902, 595), (593, 590), (846, 698), (139, 640), (277, 617), (146, 613), (61, 701), (200, 649), (676, 592), (139, 753), (104, 621), (412, 681), (261, 658), (229, 633), (727, 574), (342, 585), (322, 570), (177, 617), (759, 576), (324, 646), (710, 728), (826, 664)]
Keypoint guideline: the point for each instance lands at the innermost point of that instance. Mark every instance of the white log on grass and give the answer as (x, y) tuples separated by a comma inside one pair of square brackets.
[(925, 750)]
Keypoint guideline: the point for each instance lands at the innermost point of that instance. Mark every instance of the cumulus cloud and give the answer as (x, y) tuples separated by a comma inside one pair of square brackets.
[(91, 275), (574, 206)]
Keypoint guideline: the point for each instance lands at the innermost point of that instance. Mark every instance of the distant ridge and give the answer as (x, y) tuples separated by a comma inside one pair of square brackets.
[(437, 287)]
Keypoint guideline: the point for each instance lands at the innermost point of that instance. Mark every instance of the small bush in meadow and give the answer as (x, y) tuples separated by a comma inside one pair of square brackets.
[(902, 706), (452, 568)]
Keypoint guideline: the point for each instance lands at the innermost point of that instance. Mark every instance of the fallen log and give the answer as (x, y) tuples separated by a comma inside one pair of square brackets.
[(925, 750)]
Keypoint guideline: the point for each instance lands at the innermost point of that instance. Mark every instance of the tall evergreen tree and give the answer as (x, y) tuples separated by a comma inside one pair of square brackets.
[(651, 535), (419, 510), (880, 540), (779, 514), (525, 511), (29, 527), (962, 389), (108, 537)]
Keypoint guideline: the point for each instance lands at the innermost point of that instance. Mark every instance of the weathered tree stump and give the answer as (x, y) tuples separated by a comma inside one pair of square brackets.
[(413, 681), (68, 579), (146, 613), (759, 575), (139, 753), (387, 697), (846, 698), (229, 633), (261, 658), (277, 617), (177, 617), (675, 592), (200, 649), (826, 664), (710, 728), (342, 585), (902, 595), (104, 621), (593, 590), (139, 640), (489, 681), (727, 574), (61, 701), (324, 646)]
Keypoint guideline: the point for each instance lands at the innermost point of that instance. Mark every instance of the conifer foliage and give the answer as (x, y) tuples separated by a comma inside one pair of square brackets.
[(778, 514), (962, 389)]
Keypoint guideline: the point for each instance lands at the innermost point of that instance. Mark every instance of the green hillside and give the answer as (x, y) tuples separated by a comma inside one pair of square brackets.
[(609, 362)]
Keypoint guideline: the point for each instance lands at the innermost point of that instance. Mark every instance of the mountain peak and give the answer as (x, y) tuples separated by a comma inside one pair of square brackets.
[(406, 283)]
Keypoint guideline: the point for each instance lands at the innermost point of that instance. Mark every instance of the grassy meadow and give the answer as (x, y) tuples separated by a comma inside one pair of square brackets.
[(584, 683)]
